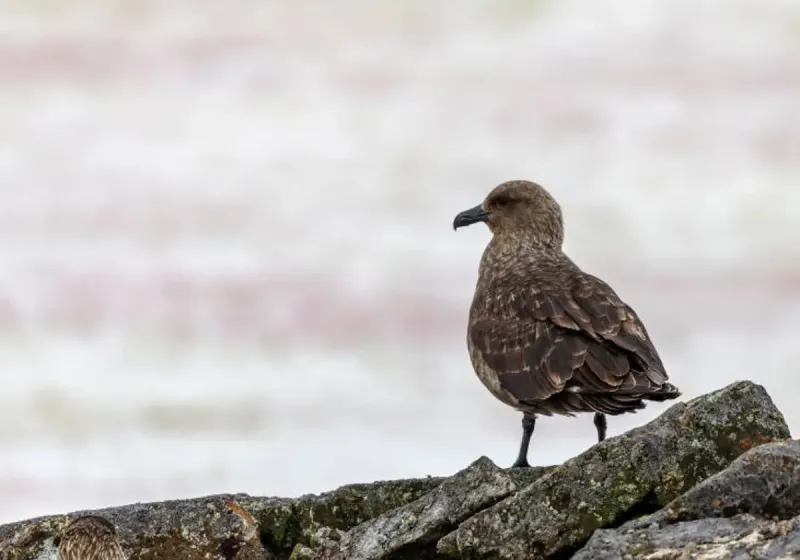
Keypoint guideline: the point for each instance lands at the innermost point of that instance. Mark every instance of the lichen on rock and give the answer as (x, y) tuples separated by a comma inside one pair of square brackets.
[(314, 520), (764, 481), (711, 478), (626, 476), (742, 536), (415, 527), (752, 507), (225, 526)]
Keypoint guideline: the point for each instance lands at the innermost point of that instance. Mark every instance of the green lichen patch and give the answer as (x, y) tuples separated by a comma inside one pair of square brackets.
[(299, 521), (764, 481), (412, 531)]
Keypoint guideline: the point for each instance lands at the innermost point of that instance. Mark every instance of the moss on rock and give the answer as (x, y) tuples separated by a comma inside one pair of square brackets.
[(623, 477), (299, 521), (542, 513), (411, 531), (765, 480), (225, 526)]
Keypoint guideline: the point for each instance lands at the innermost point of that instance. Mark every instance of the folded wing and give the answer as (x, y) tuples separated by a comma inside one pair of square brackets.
[(582, 339)]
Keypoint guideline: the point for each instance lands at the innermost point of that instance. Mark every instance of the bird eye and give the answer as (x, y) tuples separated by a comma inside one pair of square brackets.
[(502, 201)]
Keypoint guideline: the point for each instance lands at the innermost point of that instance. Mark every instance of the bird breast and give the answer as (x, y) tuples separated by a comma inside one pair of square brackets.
[(488, 376)]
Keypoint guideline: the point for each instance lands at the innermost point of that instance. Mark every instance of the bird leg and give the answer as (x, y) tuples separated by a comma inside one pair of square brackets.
[(600, 424), (528, 423)]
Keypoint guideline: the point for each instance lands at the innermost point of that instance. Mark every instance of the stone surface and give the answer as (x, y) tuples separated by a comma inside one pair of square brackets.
[(623, 477), (302, 552), (743, 537), (711, 478), (220, 526), (317, 520), (417, 526), (764, 481), (225, 526)]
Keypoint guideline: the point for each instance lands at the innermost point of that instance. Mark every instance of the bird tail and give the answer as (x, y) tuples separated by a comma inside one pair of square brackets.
[(665, 392)]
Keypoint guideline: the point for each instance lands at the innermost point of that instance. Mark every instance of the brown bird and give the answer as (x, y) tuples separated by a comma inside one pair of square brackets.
[(89, 537), (545, 337)]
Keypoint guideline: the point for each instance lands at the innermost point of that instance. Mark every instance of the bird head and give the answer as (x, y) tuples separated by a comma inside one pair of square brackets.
[(518, 209)]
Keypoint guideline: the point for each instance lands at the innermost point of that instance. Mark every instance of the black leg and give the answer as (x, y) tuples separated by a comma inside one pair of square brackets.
[(601, 425), (528, 423)]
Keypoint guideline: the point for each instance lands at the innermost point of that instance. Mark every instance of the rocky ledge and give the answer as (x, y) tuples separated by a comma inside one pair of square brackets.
[(716, 477)]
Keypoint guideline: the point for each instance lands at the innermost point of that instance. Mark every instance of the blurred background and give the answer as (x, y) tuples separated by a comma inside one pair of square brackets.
[(225, 227)]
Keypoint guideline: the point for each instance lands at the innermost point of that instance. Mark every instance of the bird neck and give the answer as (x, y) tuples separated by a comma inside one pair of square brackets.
[(530, 242), (512, 256)]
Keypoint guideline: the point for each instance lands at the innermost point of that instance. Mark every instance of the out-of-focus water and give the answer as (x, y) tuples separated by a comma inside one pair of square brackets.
[(225, 228)]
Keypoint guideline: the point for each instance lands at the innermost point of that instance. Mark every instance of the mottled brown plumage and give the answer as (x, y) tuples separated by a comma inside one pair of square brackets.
[(545, 337), (89, 537)]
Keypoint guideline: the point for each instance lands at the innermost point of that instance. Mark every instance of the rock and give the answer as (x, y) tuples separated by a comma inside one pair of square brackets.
[(764, 481), (525, 476), (302, 552), (740, 537), (417, 526), (224, 526), (316, 520), (623, 477), (706, 479), (216, 526)]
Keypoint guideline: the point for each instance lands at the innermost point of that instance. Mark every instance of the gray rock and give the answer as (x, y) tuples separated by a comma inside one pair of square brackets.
[(216, 526), (525, 476), (316, 520), (224, 526), (742, 537), (302, 552), (418, 525), (518, 513), (765, 481), (621, 478)]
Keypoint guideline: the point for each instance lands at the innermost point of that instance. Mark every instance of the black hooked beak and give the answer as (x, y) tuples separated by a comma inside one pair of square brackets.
[(469, 217)]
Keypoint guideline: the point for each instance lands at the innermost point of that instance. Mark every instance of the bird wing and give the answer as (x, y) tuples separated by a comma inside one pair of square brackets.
[(599, 312), (580, 336)]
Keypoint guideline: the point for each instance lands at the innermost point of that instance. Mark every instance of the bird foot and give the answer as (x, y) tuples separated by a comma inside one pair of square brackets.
[(519, 463)]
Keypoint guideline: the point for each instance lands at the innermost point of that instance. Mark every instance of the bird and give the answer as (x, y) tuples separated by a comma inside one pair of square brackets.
[(89, 537), (545, 337)]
